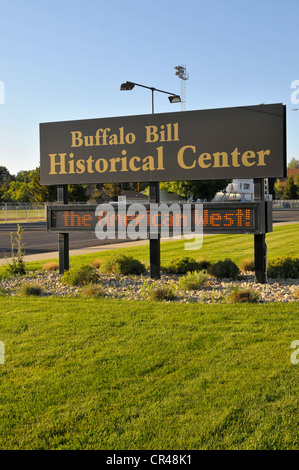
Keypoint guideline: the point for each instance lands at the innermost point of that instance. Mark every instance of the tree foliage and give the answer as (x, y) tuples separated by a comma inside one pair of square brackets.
[(205, 190), (293, 163), (26, 187), (290, 190)]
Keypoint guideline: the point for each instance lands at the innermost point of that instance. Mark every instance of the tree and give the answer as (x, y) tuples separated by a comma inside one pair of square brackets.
[(278, 189), (4, 175), (77, 193), (293, 163), (113, 190), (18, 192), (290, 190), (205, 190)]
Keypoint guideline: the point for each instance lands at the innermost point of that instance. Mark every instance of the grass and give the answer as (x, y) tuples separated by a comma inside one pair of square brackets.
[(215, 247), (105, 374)]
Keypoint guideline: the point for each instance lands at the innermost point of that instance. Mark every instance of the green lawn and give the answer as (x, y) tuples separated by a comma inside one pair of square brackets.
[(284, 240), (105, 374)]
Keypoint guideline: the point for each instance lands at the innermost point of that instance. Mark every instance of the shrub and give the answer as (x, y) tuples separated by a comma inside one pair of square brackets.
[(203, 264), (284, 267), (93, 291), (162, 292), (296, 294), (96, 263), (241, 295), (181, 265), (247, 264), (5, 271), (80, 276), (192, 281), (51, 266), (122, 264), (224, 269), (31, 289)]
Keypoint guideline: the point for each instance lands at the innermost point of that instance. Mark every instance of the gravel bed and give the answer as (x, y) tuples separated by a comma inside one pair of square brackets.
[(136, 287)]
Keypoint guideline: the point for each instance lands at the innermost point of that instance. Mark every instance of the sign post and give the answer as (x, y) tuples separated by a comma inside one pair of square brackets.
[(260, 247), (63, 238)]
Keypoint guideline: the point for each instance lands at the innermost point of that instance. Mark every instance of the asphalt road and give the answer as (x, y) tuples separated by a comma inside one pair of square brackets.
[(36, 239)]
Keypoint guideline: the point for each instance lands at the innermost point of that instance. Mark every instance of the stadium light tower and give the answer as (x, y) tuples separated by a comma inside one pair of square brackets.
[(181, 72)]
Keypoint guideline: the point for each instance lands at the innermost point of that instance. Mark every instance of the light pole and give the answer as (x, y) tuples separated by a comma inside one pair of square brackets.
[(154, 190)]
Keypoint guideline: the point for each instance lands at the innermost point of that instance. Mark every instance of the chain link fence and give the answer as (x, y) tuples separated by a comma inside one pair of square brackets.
[(24, 212), (286, 204)]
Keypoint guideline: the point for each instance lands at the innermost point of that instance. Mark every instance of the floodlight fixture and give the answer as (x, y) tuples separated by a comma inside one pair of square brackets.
[(174, 99), (127, 86)]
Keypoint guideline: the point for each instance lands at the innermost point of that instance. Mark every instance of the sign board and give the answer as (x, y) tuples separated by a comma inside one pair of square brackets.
[(251, 218), (226, 143)]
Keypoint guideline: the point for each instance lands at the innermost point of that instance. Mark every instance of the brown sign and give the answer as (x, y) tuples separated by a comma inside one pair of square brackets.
[(242, 142)]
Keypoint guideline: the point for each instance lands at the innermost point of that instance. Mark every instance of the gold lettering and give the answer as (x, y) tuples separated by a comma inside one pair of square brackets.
[(160, 158), (176, 131), (202, 158), (261, 155), (235, 155), (113, 140), (113, 161), (180, 157), (246, 156), (98, 136), (124, 164), (60, 163), (148, 163), (217, 159), (80, 166), (89, 162), (77, 140), (101, 165), (151, 134), (71, 164), (88, 140), (132, 164)]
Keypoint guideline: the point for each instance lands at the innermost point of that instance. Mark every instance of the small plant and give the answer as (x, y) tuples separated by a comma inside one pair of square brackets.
[(96, 263), (93, 291), (283, 268), (181, 265), (247, 264), (122, 264), (242, 295), (17, 265), (31, 290), (80, 276), (51, 266), (203, 264), (192, 281), (162, 292), (224, 269)]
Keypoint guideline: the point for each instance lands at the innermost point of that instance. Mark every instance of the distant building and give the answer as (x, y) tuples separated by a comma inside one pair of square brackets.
[(291, 171)]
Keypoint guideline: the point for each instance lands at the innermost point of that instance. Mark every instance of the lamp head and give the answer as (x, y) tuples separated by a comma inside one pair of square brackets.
[(174, 99), (127, 86)]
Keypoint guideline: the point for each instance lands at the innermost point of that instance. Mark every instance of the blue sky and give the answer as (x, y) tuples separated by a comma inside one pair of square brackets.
[(65, 60)]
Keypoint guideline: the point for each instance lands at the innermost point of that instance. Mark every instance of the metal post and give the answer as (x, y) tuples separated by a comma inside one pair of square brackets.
[(260, 247), (63, 238), (154, 197)]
